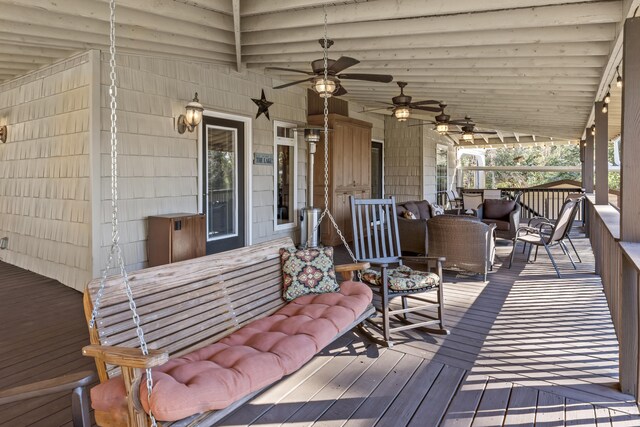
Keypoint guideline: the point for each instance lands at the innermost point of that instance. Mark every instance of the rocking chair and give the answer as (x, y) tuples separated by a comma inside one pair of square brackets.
[(377, 241)]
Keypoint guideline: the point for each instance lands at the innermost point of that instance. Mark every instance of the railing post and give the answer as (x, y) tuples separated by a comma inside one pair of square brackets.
[(630, 203), (602, 155)]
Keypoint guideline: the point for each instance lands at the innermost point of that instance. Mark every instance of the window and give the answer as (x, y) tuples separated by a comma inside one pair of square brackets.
[(285, 159), (442, 166)]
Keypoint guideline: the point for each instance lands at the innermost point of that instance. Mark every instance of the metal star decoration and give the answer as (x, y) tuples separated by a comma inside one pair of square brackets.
[(263, 106)]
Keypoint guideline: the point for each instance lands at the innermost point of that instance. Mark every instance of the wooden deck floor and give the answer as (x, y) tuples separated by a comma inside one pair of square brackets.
[(526, 348)]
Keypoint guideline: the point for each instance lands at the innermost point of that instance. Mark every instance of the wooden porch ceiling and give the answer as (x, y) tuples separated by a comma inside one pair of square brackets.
[(529, 66)]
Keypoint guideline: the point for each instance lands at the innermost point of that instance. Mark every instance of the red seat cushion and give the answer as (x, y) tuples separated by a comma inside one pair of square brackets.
[(251, 358)]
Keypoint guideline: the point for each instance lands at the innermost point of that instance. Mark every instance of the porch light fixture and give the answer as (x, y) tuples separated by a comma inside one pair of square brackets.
[(467, 136), (193, 116), (325, 88), (3, 134), (402, 113), (619, 78), (442, 128), (607, 97), (593, 130), (604, 108)]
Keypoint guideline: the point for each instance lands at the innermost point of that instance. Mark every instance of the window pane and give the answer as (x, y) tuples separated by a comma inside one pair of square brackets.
[(284, 132), (284, 180), (221, 180), (441, 173)]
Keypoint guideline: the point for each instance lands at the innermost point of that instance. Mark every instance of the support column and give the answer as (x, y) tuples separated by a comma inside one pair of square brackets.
[(587, 177), (630, 204), (602, 155)]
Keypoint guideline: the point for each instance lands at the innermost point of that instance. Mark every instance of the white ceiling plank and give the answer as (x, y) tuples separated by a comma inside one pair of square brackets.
[(237, 35), (18, 49), (253, 7), (222, 6), (445, 17), (566, 34), (150, 29), (497, 51), (534, 62), (542, 17)]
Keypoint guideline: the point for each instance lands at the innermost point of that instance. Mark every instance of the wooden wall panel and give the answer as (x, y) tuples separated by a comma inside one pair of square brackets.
[(44, 172)]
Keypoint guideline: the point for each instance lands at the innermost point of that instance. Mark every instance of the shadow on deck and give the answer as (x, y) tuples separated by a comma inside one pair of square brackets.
[(525, 347)]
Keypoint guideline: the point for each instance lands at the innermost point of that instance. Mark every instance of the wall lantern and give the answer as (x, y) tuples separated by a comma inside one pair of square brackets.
[(402, 113), (3, 134), (325, 88), (193, 116), (593, 130)]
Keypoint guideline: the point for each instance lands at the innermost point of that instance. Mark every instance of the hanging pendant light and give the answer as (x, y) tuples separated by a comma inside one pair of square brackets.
[(467, 136), (607, 98), (442, 128)]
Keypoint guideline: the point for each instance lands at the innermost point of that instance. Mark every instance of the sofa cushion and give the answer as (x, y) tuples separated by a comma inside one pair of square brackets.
[(424, 209), (500, 225), (249, 359), (403, 278), (498, 209), (307, 271), (400, 209), (411, 206)]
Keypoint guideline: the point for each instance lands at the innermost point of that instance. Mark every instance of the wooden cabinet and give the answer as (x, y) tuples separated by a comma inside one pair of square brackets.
[(349, 171), (175, 237)]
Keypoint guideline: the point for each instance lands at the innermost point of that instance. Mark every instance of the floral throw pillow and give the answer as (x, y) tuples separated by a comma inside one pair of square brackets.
[(408, 215), (436, 210), (307, 271)]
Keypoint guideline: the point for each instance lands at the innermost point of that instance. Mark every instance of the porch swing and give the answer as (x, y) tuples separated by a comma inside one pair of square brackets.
[(220, 320)]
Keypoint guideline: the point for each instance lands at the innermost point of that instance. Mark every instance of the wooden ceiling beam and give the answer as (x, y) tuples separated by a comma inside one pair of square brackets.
[(461, 102), (564, 34), (18, 49), (28, 59), (456, 52), (594, 13), (431, 91)]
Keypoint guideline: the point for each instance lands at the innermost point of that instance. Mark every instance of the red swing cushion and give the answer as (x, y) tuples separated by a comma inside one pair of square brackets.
[(249, 359)]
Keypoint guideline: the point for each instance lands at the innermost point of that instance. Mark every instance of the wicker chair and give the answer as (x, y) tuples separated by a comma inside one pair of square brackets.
[(377, 241), (465, 242)]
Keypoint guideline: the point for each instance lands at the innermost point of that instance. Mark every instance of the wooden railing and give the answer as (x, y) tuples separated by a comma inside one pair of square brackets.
[(536, 202)]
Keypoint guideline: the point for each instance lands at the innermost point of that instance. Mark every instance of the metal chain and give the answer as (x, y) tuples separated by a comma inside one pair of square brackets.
[(326, 211), (116, 250)]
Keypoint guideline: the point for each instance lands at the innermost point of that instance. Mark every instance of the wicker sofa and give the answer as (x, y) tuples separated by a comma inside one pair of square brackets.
[(465, 242), (413, 232)]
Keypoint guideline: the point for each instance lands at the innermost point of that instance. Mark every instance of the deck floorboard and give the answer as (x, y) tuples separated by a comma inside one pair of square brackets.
[(525, 348)]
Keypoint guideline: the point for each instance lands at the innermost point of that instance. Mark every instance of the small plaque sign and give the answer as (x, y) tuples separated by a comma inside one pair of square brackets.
[(262, 158)]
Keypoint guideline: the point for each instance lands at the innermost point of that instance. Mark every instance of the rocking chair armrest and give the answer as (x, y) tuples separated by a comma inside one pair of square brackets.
[(126, 356), (526, 229), (46, 387), (347, 270)]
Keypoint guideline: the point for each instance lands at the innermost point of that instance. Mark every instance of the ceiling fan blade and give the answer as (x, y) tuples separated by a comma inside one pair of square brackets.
[(485, 132), (342, 63), (382, 78), (428, 101), (293, 83), (459, 122), (309, 73), (341, 91), (432, 109), (423, 123), (376, 109)]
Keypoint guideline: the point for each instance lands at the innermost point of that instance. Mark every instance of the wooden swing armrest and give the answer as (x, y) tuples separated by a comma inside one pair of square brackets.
[(347, 270), (125, 356), (46, 387)]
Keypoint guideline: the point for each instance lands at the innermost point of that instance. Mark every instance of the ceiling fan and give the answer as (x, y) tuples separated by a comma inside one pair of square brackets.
[(332, 85), (443, 120), (401, 105), (468, 130)]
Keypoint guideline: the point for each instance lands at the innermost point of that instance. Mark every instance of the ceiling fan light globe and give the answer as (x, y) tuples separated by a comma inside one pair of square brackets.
[(442, 128), (467, 136), (325, 88), (402, 113)]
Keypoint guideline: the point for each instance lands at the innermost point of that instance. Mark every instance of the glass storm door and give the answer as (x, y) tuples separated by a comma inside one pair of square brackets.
[(376, 170), (223, 201)]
